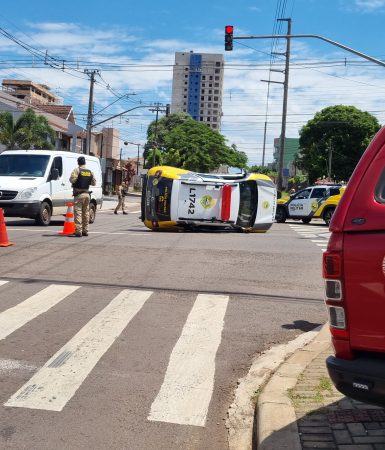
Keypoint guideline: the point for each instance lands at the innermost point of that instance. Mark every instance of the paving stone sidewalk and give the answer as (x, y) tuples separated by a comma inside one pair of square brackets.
[(328, 420)]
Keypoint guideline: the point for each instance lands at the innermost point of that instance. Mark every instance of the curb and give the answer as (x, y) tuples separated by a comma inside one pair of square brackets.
[(276, 418), (242, 412)]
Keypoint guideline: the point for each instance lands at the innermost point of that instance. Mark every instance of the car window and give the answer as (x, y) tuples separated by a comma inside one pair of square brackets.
[(302, 194), (318, 192), (334, 191), (58, 164)]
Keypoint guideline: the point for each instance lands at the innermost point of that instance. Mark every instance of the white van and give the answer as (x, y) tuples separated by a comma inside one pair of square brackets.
[(35, 183)]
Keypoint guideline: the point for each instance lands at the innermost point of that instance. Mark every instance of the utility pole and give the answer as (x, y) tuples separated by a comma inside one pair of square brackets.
[(158, 107), (91, 74), (330, 161), (284, 108)]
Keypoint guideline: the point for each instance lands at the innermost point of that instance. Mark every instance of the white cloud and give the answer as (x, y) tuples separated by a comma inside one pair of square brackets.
[(145, 67), (368, 5)]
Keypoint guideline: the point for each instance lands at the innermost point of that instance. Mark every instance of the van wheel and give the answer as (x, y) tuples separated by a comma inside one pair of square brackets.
[(280, 215), (92, 213), (306, 220), (328, 215), (44, 215)]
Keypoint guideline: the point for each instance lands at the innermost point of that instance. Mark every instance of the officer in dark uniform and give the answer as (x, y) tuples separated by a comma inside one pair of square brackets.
[(81, 179)]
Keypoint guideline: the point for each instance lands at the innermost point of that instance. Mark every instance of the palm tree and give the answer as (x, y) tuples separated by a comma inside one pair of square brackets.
[(30, 131)]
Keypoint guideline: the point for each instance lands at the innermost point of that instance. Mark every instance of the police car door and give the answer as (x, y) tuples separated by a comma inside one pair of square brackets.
[(299, 205), (199, 201), (58, 187)]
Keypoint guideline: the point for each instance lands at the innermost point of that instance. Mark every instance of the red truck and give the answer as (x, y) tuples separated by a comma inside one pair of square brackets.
[(354, 274)]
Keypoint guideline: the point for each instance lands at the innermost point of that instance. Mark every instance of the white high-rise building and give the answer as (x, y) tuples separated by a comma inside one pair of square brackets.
[(197, 86)]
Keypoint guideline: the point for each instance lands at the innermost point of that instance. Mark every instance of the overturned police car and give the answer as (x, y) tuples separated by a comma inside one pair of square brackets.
[(175, 198)]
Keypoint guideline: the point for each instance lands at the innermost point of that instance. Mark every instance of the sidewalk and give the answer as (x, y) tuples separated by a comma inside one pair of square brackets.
[(299, 408)]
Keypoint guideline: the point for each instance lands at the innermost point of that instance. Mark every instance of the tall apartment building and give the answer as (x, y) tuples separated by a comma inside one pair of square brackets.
[(197, 86)]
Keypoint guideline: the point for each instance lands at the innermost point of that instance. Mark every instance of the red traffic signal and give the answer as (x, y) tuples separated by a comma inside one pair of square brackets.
[(229, 37)]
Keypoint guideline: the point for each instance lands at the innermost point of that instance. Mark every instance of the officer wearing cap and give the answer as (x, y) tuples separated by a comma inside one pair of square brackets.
[(81, 179)]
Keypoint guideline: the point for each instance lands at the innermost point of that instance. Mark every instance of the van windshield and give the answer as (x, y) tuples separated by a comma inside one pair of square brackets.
[(248, 203), (23, 165)]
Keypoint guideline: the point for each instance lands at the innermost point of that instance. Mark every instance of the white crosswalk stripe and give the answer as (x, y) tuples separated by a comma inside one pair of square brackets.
[(317, 234), (183, 397), (186, 392), (14, 318), (58, 380)]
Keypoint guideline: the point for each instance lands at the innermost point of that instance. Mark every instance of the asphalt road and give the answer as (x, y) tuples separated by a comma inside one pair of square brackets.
[(140, 342)]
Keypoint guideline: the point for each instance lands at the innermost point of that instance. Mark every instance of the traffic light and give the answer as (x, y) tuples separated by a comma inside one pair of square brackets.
[(229, 37)]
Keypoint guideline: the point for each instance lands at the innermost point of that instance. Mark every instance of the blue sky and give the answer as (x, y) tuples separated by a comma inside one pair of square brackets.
[(133, 45)]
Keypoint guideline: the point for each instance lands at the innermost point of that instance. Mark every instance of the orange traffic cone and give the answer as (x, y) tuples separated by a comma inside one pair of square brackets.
[(69, 224), (4, 242)]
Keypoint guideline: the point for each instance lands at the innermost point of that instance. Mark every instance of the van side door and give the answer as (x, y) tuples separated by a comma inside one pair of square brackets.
[(57, 186)]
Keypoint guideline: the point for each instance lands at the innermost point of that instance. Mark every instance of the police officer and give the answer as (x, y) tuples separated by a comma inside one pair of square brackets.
[(81, 179), (122, 192)]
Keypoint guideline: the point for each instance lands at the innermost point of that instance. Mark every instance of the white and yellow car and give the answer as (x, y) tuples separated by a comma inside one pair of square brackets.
[(175, 198), (314, 202)]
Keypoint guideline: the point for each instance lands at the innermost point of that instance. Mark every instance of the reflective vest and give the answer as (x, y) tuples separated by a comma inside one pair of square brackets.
[(84, 179)]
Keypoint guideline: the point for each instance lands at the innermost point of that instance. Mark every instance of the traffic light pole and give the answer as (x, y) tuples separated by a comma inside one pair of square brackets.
[(288, 36)]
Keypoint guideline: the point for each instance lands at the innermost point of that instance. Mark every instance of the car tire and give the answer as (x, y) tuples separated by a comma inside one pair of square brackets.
[(306, 220), (327, 216), (280, 215), (92, 213), (44, 215)]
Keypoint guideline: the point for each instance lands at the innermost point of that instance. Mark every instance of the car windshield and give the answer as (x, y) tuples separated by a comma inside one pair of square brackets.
[(158, 199), (248, 203), (23, 165)]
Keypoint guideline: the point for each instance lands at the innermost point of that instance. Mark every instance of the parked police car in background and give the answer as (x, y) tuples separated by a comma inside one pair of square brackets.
[(310, 203), (175, 198)]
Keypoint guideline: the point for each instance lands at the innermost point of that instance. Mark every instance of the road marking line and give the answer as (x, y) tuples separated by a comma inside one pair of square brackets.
[(17, 316), (186, 392), (60, 377), (320, 240), (3, 282), (135, 212), (308, 235), (322, 245)]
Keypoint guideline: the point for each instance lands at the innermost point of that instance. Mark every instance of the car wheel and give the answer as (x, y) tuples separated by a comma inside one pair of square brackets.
[(92, 213), (328, 215), (44, 215), (280, 215), (306, 220)]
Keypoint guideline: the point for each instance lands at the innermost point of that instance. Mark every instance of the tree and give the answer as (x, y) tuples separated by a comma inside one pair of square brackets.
[(262, 169), (30, 131), (338, 135), (180, 141)]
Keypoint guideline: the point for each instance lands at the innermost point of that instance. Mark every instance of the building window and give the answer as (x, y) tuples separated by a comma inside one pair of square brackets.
[(202, 98), (209, 112), (215, 99), (217, 78), (216, 84), (201, 119), (209, 98), (185, 83), (215, 119), (211, 77), (210, 91), (202, 91), (218, 64), (203, 77), (214, 125), (208, 105), (186, 76), (215, 105), (217, 70), (216, 91), (208, 119)]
